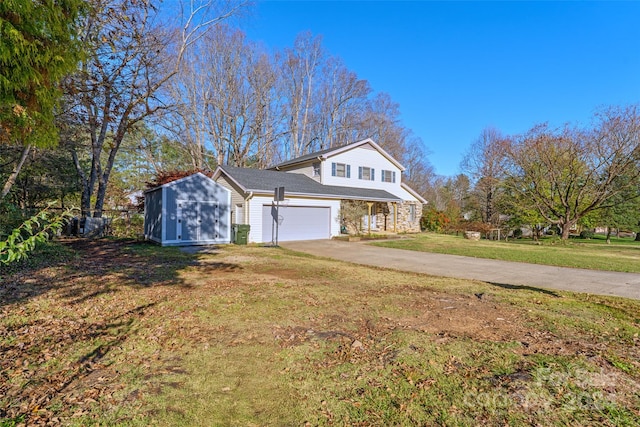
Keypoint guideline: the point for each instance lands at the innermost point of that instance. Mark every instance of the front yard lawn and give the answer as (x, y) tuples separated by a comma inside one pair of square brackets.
[(121, 333), (593, 254)]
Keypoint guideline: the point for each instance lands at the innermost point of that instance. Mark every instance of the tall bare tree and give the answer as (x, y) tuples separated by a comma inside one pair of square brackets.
[(132, 54), (225, 101), (342, 99), (485, 162), (300, 67)]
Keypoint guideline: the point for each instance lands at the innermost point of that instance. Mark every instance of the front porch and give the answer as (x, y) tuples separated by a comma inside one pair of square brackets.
[(367, 217)]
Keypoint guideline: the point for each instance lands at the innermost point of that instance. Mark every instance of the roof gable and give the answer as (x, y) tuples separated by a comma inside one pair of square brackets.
[(330, 152), (179, 180)]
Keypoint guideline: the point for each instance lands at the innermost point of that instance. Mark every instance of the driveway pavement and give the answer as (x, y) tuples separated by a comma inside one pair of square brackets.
[(498, 272)]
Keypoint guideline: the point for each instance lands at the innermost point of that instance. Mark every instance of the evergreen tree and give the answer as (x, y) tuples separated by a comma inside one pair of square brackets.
[(39, 45)]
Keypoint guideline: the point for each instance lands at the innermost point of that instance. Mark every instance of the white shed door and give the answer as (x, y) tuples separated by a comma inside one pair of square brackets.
[(297, 223)]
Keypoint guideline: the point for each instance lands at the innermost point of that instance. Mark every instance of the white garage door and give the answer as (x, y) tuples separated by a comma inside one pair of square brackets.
[(297, 223)]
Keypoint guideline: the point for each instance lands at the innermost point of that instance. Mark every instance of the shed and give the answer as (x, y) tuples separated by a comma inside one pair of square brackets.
[(194, 210)]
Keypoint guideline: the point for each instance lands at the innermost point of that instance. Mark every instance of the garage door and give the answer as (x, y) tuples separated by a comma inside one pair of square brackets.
[(297, 223)]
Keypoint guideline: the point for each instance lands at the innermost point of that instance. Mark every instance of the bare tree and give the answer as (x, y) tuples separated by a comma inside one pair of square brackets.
[(185, 118), (567, 173), (419, 173), (131, 55), (225, 102), (342, 98), (300, 67), (485, 162), (380, 121)]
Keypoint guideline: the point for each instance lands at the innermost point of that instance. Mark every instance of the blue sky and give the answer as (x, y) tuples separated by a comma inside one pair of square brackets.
[(458, 67)]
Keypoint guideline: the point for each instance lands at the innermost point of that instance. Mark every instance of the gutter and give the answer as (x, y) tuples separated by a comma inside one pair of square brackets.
[(278, 168), (330, 196)]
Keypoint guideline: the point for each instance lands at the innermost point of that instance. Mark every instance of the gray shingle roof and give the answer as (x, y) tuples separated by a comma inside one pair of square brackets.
[(259, 180), (306, 157)]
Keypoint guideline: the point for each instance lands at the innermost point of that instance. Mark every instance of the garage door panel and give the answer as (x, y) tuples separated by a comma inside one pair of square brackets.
[(297, 223)]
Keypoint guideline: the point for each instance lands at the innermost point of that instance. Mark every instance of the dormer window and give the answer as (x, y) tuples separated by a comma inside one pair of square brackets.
[(316, 169)]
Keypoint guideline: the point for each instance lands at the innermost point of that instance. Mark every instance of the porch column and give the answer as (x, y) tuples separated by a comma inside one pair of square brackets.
[(395, 217), (370, 205)]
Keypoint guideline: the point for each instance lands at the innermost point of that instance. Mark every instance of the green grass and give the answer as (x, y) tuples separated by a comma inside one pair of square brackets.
[(592, 254), (253, 336)]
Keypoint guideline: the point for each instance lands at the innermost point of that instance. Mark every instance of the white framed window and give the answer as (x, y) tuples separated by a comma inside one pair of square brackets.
[(388, 176), (368, 174), (341, 169), (412, 213)]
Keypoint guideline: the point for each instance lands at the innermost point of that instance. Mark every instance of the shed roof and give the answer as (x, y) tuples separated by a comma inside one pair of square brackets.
[(197, 175)]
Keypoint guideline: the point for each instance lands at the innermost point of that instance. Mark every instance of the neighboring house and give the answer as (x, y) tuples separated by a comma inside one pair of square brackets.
[(315, 186)]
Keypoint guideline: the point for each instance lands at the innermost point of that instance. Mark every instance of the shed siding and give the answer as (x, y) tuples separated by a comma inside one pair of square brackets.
[(205, 212), (153, 215)]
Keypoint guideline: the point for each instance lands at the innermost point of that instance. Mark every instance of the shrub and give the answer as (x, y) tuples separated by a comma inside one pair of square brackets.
[(482, 227), (586, 234), (433, 220), (517, 233), (32, 232), (128, 228)]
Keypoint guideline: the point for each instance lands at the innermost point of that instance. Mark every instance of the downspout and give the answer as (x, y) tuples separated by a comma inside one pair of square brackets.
[(246, 208)]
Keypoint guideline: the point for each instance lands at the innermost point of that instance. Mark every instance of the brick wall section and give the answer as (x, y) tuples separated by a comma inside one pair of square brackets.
[(404, 224)]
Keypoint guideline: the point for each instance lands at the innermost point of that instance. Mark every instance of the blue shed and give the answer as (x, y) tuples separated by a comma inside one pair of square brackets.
[(194, 210)]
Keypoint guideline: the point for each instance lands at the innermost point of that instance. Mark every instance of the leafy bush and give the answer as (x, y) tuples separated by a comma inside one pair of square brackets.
[(351, 213), (481, 227), (517, 233), (128, 228), (586, 234), (10, 218), (33, 231), (433, 220)]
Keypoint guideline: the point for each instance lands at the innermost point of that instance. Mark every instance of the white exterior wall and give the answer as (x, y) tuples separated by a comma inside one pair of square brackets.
[(370, 158), (304, 170), (257, 202)]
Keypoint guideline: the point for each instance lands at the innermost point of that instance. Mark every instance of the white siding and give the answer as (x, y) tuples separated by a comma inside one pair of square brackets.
[(257, 202), (366, 157), (306, 169)]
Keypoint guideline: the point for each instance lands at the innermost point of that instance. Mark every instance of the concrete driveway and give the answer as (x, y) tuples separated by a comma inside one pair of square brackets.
[(487, 270)]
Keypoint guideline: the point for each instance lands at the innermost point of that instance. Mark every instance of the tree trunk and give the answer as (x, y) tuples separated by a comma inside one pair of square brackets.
[(85, 195), (102, 191), (565, 230), (489, 207), (608, 235), (14, 173)]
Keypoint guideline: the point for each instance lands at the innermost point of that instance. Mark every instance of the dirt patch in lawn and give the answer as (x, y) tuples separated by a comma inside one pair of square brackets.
[(94, 338)]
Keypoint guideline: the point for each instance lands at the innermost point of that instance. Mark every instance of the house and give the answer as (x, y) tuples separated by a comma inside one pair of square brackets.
[(316, 185), (194, 210)]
